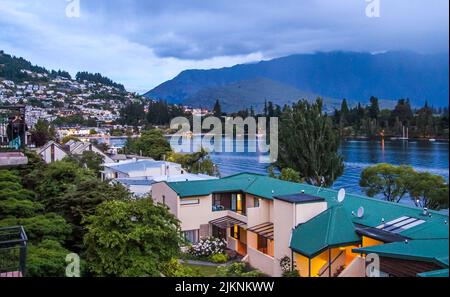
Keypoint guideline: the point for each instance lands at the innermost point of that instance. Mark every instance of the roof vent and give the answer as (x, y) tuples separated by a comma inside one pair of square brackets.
[(445, 222), (273, 192), (382, 220), (425, 211), (303, 191), (406, 241)]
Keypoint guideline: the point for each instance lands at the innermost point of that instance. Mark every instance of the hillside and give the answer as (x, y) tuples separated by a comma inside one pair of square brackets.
[(355, 76), (242, 94)]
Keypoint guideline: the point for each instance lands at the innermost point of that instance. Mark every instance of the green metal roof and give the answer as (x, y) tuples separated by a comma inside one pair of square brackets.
[(429, 250), (331, 228), (265, 187), (435, 273)]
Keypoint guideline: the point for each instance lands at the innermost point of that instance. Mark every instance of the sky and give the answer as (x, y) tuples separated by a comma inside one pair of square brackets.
[(144, 43)]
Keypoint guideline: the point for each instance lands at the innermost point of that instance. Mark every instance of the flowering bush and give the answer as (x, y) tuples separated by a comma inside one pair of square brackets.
[(208, 246)]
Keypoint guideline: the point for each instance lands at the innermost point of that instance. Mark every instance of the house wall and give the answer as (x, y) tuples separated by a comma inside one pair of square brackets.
[(170, 196), (261, 261), (306, 211), (261, 214), (283, 218), (47, 154)]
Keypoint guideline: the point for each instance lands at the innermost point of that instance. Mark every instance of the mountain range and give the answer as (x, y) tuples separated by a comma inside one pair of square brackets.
[(333, 76)]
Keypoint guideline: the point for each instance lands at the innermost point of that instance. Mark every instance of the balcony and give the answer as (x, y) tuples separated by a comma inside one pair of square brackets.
[(234, 202), (13, 251)]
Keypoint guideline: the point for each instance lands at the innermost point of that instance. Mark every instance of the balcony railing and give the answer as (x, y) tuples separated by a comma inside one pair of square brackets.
[(13, 251)]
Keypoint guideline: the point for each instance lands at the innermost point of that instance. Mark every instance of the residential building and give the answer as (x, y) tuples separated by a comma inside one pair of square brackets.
[(267, 220), (52, 152), (141, 186), (140, 169), (78, 148)]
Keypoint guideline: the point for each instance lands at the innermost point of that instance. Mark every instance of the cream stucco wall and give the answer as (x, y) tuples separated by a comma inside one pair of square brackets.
[(283, 218), (306, 211), (170, 196)]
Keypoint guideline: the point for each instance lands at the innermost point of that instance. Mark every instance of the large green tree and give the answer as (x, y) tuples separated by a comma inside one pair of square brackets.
[(81, 202), (59, 178), (131, 238), (152, 143), (42, 132), (428, 190), (389, 180), (309, 144)]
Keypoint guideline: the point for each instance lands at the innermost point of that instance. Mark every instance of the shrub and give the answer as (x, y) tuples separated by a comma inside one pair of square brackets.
[(293, 273), (207, 247), (174, 268), (218, 258), (238, 270)]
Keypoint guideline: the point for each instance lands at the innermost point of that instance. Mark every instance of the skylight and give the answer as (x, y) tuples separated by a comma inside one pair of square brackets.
[(400, 224)]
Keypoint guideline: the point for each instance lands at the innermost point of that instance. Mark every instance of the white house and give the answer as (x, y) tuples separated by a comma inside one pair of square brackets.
[(140, 169), (52, 152), (141, 186), (79, 147)]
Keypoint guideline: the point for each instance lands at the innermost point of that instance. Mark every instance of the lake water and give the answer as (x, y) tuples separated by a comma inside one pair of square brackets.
[(422, 155)]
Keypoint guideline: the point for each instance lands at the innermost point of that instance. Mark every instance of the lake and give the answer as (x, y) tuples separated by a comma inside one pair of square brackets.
[(357, 154)]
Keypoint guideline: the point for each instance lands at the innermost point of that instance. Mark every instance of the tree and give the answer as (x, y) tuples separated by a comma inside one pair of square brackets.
[(152, 143), (402, 112), (80, 203), (428, 190), (374, 108), (59, 178), (46, 259), (287, 174), (42, 133), (309, 145), (198, 162), (132, 114), (92, 161), (42, 226), (217, 110), (68, 138), (389, 180), (131, 238)]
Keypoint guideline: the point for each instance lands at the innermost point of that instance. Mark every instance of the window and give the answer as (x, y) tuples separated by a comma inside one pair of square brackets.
[(235, 232), (262, 244), (255, 202), (189, 201), (191, 235), (164, 200)]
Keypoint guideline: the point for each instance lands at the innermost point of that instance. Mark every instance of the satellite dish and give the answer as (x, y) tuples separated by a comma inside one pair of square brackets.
[(341, 195), (360, 213)]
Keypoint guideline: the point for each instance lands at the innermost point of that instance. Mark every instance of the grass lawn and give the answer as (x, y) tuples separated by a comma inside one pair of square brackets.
[(206, 271)]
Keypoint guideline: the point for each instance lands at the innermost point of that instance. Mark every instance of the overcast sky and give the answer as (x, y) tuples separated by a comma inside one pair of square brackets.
[(144, 43)]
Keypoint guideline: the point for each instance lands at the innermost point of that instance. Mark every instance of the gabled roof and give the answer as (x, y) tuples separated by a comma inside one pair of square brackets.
[(429, 250), (48, 144), (331, 228)]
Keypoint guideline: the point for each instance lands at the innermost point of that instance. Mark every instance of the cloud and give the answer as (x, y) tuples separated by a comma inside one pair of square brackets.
[(143, 43)]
